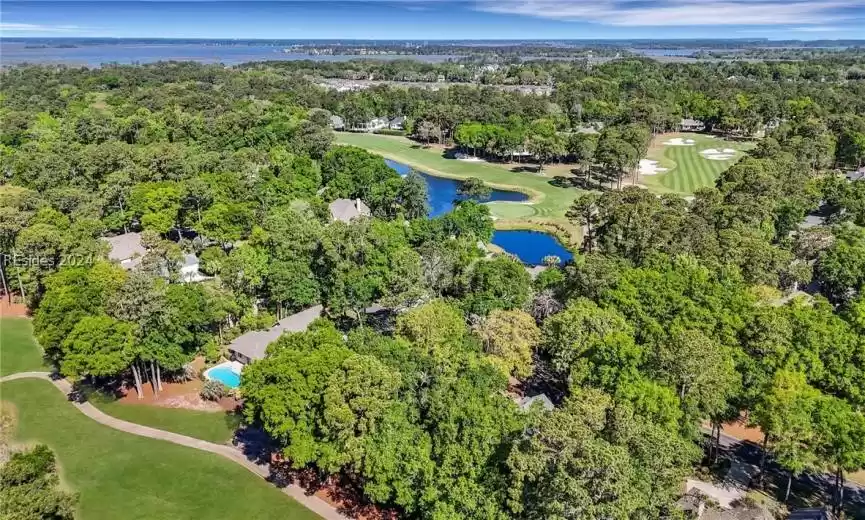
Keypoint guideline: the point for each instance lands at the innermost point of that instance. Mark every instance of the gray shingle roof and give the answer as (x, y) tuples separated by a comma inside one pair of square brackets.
[(526, 402), (253, 344), (347, 209), (125, 247)]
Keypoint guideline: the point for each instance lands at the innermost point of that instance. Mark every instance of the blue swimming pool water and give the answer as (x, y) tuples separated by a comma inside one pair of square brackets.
[(529, 246), (442, 192), (224, 375)]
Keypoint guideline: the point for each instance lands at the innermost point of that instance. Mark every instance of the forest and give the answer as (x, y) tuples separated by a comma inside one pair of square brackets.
[(673, 313)]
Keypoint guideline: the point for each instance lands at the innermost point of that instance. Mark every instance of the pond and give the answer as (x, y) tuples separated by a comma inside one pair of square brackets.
[(442, 192), (529, 246)]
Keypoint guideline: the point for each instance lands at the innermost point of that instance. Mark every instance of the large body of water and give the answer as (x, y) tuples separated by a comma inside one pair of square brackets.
[(12, 53), (529, 246)]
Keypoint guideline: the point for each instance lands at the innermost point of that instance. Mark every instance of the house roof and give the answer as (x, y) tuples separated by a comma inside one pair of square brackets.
[(126, 246), (190, 260), (254, 344), (336, 121), (398, 120), (858, 175), (348, 209), (526, 402), (692, 122)]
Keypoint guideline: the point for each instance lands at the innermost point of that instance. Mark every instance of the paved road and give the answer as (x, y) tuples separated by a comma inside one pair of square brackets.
[(312, 502), (751, 453)]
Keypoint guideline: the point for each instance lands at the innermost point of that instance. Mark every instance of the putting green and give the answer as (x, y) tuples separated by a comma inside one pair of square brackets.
[(687, 168)]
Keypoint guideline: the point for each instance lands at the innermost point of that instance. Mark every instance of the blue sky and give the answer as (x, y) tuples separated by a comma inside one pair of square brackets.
[(437, 19)]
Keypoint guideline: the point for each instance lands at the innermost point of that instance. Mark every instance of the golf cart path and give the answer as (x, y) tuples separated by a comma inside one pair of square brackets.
[(311, 502)]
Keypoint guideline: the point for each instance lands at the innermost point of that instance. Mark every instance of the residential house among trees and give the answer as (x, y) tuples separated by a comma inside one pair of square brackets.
[(376, 123), (397, 123), (252, 345), (346, 210), (126, 249), (337, 123)]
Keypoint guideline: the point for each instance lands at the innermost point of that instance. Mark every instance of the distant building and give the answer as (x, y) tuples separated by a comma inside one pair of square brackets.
[(376, 123), (189, 272), (346, 210), (397, 123), (337, 123), (126, 249), (691, 125), (856, 175), (252, 345)]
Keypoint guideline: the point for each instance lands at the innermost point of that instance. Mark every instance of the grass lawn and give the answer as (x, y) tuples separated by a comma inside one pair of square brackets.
[(215, 427), (548, 203), (19, 351), (687, 169), (119, 475)]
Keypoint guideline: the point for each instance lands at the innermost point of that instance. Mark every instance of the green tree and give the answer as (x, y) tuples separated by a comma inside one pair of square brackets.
[(30, 487), (509, 337), (784, 414), (595, 459), (474, 188), (500, 283)]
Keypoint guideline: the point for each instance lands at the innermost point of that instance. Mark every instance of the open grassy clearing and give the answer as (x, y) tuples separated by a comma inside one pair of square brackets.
[(120, 475), (688, 170), (19, 351), (217, 427), (545, 210)]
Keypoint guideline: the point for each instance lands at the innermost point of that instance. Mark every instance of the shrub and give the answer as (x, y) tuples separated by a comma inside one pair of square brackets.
[(389, 131), (213, 390)]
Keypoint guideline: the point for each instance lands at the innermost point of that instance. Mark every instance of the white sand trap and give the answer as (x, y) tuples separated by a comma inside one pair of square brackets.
[(648, 167), (678, 141), (718, 155)]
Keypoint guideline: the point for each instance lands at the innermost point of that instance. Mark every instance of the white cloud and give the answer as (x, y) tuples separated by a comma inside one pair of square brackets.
[(34, 27), (679, 12)]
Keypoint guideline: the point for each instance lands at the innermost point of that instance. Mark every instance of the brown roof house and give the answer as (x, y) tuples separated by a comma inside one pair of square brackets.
[(126, 249), (346, 210)]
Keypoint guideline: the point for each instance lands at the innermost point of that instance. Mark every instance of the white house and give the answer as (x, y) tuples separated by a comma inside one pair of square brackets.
[(376, 123), (397, 123), (126, 249), (337, 123)]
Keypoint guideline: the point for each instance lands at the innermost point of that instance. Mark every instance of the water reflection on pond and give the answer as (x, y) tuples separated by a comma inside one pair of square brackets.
[(529, 246)]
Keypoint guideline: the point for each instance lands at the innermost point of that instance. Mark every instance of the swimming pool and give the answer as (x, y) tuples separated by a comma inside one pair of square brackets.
[(227, 373)]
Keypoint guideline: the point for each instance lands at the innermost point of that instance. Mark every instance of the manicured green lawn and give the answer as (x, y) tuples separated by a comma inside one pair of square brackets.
[(119, 475), (18, 349), (549, 203), (215, 427), (688, 170)]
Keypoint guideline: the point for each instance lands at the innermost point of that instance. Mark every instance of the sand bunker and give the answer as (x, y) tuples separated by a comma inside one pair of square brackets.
[(466, 157), (718, 155), (678, 141), (648, 167)]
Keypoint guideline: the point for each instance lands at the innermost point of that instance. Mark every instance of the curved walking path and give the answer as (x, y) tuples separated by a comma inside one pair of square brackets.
[(312, 502)]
